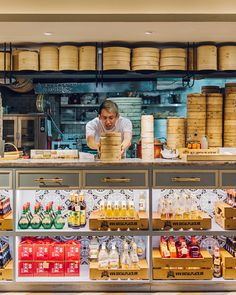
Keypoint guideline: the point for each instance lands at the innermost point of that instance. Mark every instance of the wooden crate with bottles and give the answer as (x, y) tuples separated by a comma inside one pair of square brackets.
[(179, 261), (228, 265)]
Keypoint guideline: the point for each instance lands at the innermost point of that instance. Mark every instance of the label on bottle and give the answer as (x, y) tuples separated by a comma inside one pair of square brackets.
[(76, 219), (184, 251), (114, 263), (103, 264), (142, 206), (82, 217)]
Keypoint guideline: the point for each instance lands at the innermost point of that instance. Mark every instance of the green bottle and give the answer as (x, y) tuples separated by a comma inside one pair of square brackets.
[(47, 221), (36, 220), (23, 222), (59, 221)]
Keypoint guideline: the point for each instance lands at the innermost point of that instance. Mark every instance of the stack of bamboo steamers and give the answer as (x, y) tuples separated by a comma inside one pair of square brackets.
[(147, 137), (110, 149), (230, 115)]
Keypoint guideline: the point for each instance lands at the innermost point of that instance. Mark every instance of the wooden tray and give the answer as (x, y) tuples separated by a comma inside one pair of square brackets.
[(165, 224), (140, 221), (228, 265), (122, 274), (6, 223), (225, 215), (6, 273), (182, 268)]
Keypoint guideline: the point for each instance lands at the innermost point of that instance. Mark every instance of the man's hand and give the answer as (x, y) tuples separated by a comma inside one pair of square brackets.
[(122, 149)]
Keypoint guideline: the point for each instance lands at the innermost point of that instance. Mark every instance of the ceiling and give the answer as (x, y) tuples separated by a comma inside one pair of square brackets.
[(24, 21)]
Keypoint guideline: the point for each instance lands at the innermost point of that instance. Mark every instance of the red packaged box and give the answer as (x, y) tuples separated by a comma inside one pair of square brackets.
[(41, 252), (72, 268), (25, 269), (41, 269), (72, 251), (57, 252), (56, 268), (25, 252)]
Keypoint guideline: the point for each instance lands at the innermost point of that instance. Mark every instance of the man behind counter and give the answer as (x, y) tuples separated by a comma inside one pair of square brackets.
[(108, 120)]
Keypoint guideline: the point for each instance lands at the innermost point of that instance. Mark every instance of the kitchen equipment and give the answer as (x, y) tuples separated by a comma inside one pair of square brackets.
[(5, 61), (175, 132), (206, 57), (227, 58), (173, 59), (87, 58), (68, 58), (28, 60), (145, 58), (49, 58), (64, 144), (116, 58)]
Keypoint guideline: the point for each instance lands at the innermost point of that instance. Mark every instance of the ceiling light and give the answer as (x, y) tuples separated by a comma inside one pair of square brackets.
[(48, 33), (148, 32)]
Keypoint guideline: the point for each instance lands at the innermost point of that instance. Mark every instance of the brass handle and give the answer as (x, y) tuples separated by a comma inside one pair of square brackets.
[(115, 180), (51, 180), (185, 179)]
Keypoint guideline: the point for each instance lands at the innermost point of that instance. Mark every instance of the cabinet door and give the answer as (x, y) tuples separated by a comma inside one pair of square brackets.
[(185, 179), (116, 179), (27, 131), (228, 179), (53, 179), (10, 130), (5, 179)]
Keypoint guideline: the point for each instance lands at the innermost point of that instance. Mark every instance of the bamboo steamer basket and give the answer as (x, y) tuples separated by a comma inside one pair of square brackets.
[(140, 68), (110, 146), (109, 157), (230, 116), (196, 98), (175, 132), (227, 58), (173, 52), (214, 99), (215, 124), (172, 61), (214, 108), (146, 51), (196, 108), (28, 60), (68, 58), (5, 64), (115, 55), (229, 125), (145, 59), (230, 88), (150, 63), (214, 135), (175, 121), (116, 49), (206, 57), (215, 143), (211, 89), (173, 68), (197, 115), (15, 59), (195, 122), (87, 58), (116, 66), (214, 115), (49, 58)]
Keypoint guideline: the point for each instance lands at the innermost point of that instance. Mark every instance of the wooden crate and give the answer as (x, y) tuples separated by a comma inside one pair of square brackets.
[(164, 224), (6, 273), (225, 215), (140, 273), (6, 223), (182, 268), (140, 221), (228, 265)]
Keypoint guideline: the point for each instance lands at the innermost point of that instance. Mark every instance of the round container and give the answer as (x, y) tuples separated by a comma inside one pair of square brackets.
[(15, 59), (28, 61), (206, 57), (87, 58), (196, 98), (211, 89), (5, 61), (145, 58), (227, 58), (175, 132), (49, 58), (68, 58), (173, 52), (230, 88), (110, 146), (116, 58)]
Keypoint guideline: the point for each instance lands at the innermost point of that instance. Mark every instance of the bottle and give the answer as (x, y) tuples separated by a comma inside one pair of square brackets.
[(204, 142), (23, 222), (195, 214), (94, 249), (70, 210), (123, 210), (36, 220), (172, 247), (109, 212), (30, 216), (131, 210), (47, 221), (102, 210), (134, 255), (194, 249), (82, 205), (182, 248), (178, 214), (165, 253), (114, 258), (116, 209), (141, 249), (59, 221), (76, 213), (216, 263), (126, 261), (142, 202), (103, 257)]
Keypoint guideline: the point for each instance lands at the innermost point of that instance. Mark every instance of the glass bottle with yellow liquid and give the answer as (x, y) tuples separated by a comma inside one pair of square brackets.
[(123, 210), (109, 212), (102, 209), (131, 209), (116, 209)]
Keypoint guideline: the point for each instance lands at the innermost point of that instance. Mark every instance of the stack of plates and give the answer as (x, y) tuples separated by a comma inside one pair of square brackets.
[(116, 58), (130, 107)]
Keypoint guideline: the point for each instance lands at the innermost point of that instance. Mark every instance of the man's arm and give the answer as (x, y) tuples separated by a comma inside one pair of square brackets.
[(126, 142), (91, 142)]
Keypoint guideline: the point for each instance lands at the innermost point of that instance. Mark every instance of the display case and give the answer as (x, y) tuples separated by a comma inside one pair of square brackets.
[(77, 223)]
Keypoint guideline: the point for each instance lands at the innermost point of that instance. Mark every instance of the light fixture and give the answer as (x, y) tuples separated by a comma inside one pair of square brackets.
[(48, 33), (148, 32)]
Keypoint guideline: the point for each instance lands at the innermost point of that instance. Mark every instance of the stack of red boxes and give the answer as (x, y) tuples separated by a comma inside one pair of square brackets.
[(46, 257)]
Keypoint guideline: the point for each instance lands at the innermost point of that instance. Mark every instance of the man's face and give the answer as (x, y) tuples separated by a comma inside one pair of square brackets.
[(108, 119)]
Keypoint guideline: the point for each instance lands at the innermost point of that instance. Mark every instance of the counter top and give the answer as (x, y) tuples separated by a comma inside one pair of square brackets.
[(125, 163)]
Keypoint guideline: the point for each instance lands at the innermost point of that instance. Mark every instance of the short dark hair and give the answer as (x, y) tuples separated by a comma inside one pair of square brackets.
[(109, 106)]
